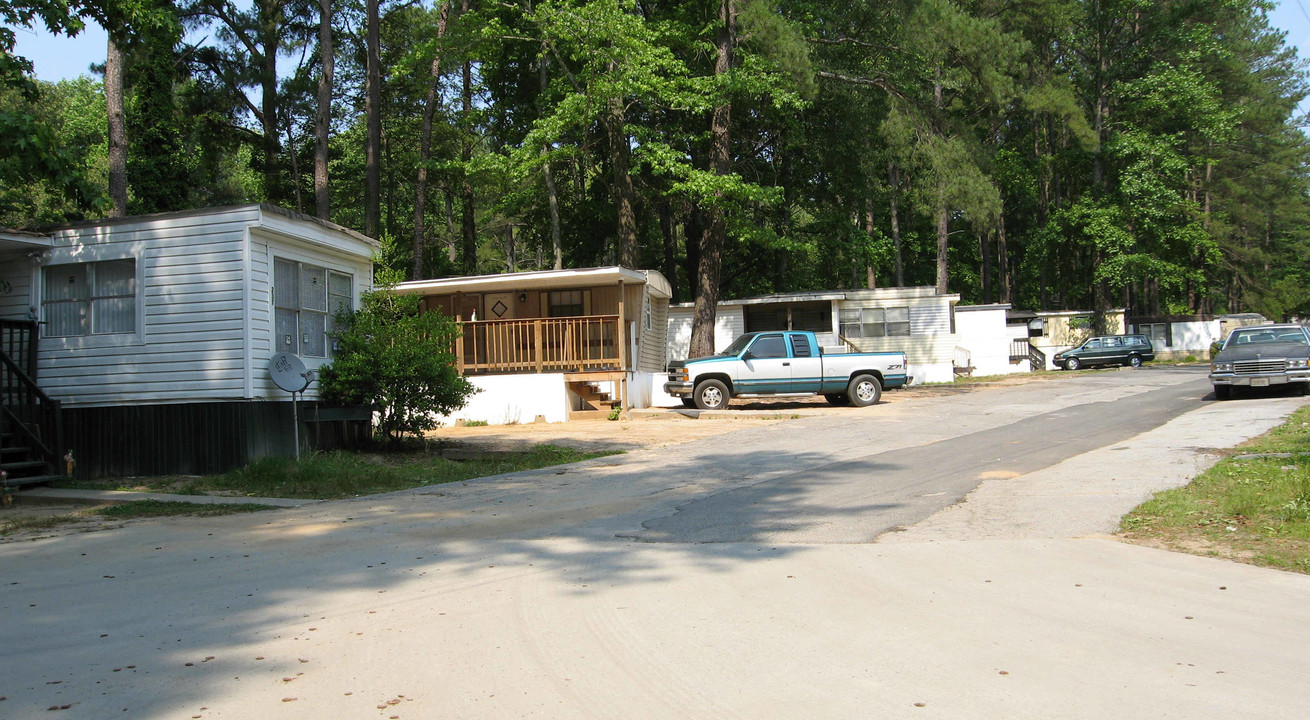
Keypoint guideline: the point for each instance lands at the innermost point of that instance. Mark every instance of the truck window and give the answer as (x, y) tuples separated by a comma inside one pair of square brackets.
[(800, 346), (769, 346)]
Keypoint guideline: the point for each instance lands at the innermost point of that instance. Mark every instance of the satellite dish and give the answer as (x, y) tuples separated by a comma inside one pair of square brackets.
[(289, 373)]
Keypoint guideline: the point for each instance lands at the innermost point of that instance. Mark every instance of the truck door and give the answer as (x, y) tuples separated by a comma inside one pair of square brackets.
[(765, 367), (806, 365)]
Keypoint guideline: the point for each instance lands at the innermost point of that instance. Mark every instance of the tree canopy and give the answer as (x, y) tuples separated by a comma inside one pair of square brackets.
[(1053, 154)]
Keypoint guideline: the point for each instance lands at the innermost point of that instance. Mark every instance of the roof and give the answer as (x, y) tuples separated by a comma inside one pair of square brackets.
[(264, 208), (539, 280), (887, 293), (22, 240), (977, 308)]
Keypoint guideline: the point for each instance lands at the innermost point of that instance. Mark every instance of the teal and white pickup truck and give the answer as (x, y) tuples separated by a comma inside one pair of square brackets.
[(784, 363)]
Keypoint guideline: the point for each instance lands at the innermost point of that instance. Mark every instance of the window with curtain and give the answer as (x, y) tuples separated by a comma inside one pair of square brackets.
[(95, 298)]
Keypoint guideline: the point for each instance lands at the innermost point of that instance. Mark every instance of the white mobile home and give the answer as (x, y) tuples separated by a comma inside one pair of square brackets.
[(555, 344), (155, 331), (915, 320)]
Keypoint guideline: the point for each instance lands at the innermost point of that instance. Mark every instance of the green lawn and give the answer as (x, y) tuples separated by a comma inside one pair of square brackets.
[(1255, 510)]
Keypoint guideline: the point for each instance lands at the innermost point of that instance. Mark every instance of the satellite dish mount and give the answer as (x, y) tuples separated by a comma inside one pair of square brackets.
[(288, 372)]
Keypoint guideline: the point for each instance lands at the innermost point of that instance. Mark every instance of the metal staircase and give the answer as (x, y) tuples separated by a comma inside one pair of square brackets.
[(31, 440)]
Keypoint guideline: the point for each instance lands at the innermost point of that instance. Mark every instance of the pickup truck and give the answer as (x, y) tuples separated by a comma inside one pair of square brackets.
[(784, 363)]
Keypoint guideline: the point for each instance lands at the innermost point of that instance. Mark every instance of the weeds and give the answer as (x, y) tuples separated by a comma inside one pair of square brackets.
[(1256, 510)]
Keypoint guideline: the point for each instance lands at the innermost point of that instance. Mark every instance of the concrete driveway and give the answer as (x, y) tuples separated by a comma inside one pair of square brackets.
[(554, 593)]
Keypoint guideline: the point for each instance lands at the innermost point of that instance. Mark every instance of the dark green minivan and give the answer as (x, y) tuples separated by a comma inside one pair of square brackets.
[(1107, 350)]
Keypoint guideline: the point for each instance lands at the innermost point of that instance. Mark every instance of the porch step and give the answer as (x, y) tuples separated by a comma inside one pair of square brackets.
[(31, 480), (10, 467)]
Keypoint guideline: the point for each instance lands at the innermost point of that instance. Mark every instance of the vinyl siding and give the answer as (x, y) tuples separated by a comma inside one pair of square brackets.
[(264, 247), (189, 344), (204, 325), (15, 285), (653, 349)]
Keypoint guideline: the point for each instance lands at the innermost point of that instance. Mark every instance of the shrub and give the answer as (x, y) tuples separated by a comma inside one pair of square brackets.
[(398, 360)]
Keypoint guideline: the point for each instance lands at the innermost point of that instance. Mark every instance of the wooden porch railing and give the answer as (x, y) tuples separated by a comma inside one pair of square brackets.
[(572, 344)]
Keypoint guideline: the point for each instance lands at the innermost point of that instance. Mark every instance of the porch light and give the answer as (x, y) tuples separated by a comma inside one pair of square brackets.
[(523, 297)]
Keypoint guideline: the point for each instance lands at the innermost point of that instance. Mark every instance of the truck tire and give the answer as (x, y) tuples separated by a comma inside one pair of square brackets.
[(689, 403), (864, 390), (711, 395), (838, 399), (1223, 392)]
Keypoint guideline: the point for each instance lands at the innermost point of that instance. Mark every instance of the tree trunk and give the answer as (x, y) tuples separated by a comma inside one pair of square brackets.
[(469, 226), (323, 118), (620, 164), (270, 27), (943, 228), (985, 255), (1003, 262), (117, 129), (712, 241), (669, 235), (894, 179), (425, 145), (552, 194), (295, 170), (373, 119)]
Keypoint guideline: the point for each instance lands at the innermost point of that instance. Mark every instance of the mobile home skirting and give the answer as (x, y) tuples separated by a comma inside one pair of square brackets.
[(202, 438)]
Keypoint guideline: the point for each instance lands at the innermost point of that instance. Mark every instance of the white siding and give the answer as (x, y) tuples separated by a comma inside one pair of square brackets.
[(653, 350), (265, 246), (15, 285), (985, 335), (204, 321), (189, 344)]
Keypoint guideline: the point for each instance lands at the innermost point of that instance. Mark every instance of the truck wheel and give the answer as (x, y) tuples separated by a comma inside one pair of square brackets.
[(1223, 392), (688, 403), (1072, 364), (711, 395), (1135, 361), (864, 390), (841, 399)]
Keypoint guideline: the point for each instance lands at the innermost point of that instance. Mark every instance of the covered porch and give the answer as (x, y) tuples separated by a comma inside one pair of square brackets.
[(596, 327)]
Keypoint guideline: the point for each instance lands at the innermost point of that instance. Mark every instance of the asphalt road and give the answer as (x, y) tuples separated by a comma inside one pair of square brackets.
[(728, 577)]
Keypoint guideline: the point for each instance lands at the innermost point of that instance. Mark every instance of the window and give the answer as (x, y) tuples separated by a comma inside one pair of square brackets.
[(815, 316), (800, 346), (1037, 328), (97, 298), (565, 303), (306, 299), (1161, 334), (769, 346), (875, 322), (648, 313)]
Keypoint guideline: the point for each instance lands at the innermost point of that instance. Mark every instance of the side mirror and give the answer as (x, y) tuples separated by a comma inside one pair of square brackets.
[(748, 355)]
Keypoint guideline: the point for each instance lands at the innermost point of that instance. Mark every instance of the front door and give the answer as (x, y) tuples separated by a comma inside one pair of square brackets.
[(766, 366)]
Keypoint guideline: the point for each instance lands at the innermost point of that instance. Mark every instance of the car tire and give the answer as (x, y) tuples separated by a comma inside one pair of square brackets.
[(688, 403), (838, 399), (1135, 361), (711, 395), (1305, 388), (864, 390), (1223, 392), (1072, 364)]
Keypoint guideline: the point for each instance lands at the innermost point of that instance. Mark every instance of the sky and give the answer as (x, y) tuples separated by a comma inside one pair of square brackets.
[(60, 58)]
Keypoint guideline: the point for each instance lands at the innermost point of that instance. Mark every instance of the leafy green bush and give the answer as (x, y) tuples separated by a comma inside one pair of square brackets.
[(400, 361)]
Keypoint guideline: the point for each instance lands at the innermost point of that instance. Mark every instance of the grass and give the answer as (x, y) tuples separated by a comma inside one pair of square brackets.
[(1254, 510), (334, 475)]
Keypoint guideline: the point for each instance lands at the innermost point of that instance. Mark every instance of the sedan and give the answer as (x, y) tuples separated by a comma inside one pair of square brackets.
[(1262, 356)]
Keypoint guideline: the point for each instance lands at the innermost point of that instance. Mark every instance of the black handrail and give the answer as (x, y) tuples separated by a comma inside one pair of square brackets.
[(30, 412), (18, 340)]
